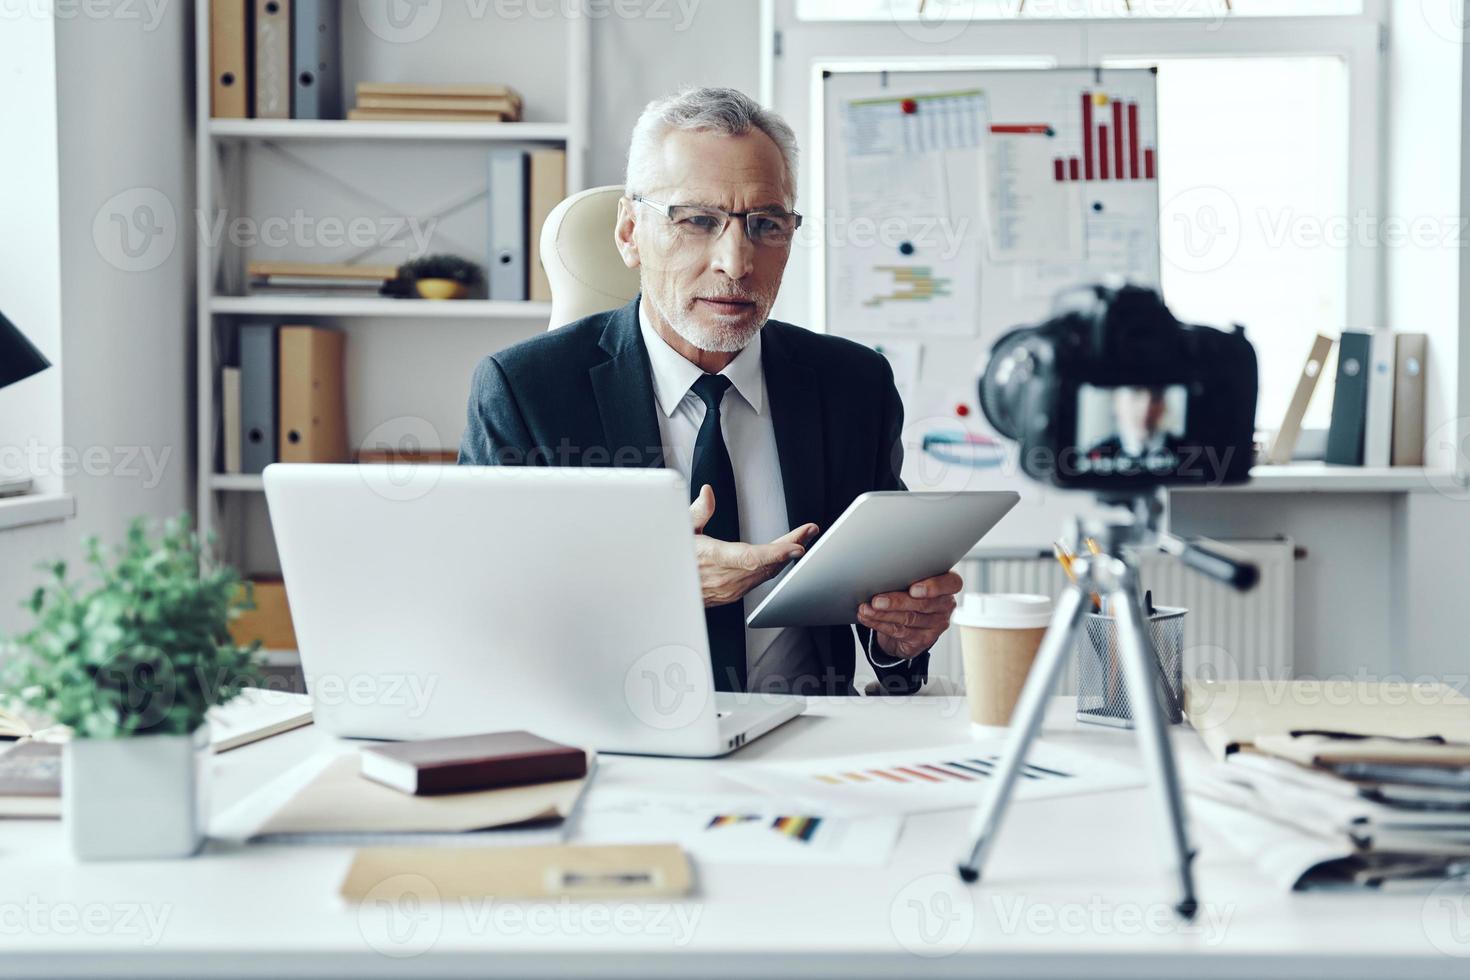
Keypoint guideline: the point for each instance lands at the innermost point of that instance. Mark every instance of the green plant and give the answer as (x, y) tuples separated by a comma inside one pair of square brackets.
[(147, 651), (453, 267)]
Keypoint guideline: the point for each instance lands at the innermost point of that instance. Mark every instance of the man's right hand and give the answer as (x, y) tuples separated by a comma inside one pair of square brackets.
[(729, 569)]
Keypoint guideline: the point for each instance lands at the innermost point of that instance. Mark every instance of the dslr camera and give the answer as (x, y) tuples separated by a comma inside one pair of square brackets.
[(1115, 394)]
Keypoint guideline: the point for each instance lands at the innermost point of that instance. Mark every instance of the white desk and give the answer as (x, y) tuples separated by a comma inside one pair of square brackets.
[(1075, 888)]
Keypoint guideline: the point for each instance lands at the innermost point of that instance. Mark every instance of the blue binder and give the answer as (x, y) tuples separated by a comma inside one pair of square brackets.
[(316, 40)]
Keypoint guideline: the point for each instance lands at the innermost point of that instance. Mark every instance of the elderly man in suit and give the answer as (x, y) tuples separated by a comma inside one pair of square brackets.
[(777, 429)]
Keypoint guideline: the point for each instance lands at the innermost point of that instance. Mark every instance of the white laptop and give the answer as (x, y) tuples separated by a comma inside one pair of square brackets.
[(433, 601)]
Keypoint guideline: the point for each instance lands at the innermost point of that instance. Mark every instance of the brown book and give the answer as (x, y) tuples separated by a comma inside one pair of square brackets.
[(422, 115), (229, 56), (321, 270), (548, 187), (30, 780), (270, 620), (506, 106), (411, 91), (313, 417), (472, 762)]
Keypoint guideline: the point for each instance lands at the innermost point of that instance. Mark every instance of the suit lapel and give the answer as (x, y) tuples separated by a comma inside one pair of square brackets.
[(623, 385), (796, 416)]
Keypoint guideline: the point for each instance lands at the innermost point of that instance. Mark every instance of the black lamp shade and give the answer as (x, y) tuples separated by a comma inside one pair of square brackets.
[(18, 357)]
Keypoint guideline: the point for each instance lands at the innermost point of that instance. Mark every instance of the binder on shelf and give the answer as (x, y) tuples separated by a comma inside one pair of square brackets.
[(313, 419), (1350, 402), (270, 620), (1378, 434), (229, 385), (1284, 445), (229, 57), (257, 396), (508, 214), (1410, 350), (316, 41), (273, 79), (548, 187)]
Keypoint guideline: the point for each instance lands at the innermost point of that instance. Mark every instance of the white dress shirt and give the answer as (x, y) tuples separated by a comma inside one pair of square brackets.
[(750, 438)]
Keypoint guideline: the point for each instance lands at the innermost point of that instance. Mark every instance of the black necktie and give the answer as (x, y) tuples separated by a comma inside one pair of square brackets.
[(725, 624)]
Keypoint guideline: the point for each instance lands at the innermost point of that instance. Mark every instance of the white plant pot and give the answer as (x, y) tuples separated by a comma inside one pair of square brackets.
[(134, 798)]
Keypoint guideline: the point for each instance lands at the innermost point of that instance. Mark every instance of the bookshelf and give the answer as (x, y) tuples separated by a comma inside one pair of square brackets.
[(250, 169)]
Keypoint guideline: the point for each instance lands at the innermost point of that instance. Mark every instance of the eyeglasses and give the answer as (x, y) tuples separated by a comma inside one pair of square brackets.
[(693, 223)]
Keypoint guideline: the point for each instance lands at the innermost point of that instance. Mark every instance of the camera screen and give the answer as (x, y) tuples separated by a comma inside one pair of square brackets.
[(1128, 430)]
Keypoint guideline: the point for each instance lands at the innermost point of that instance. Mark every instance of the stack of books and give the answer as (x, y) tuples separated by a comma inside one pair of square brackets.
[(436, 103), (1353, 786), (319, 277)]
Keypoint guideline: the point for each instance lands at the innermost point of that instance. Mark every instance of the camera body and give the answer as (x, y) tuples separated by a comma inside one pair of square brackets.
[(1115, 394)]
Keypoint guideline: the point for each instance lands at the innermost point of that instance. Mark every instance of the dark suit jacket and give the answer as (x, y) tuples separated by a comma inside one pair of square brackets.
[(582, 395)]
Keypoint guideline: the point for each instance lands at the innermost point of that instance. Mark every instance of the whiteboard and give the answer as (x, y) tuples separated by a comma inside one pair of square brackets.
[(956, 204)]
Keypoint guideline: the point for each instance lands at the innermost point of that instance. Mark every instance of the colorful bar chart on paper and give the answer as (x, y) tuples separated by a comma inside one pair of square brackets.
[(911, 284), (942, 778), (1112, 146)]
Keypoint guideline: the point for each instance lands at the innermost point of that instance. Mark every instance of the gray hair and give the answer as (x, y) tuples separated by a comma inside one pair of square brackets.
[(721, 110)]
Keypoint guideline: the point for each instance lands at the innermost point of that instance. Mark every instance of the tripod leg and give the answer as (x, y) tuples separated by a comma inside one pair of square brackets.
[(1025, 723), (1153, 736)]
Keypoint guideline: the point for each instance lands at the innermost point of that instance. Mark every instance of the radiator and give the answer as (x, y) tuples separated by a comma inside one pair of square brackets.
[(1226, 634)]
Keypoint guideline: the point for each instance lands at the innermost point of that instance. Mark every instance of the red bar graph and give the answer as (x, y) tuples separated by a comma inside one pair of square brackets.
[(1133, 140), (1118, 141), (1022, 129), (1087, 134), (1059, 167), (1074, 169), (1102, 153), (1149, 173)]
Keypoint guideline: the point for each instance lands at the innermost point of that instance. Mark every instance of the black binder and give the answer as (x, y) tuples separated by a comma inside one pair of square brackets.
[(1350, 401)]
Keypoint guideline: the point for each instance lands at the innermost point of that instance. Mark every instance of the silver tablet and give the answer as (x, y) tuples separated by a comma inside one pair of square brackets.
[(884, 542)]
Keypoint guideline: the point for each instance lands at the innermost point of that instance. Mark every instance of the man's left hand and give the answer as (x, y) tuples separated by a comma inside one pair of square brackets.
[(908, 623)]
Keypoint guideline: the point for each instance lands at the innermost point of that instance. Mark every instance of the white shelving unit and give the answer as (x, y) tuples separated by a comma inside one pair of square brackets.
[(224, 152)]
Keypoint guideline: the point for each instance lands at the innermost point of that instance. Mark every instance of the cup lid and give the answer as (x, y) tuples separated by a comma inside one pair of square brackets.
[(1003, 611)]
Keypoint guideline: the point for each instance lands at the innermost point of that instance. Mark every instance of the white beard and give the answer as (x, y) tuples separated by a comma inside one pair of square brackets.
[(727, 340)]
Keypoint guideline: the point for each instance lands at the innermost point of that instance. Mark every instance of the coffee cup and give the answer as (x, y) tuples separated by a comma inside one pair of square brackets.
[(1000, 635)]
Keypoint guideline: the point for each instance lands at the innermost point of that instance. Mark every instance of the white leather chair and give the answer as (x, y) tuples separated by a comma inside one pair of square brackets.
[(586, 273)]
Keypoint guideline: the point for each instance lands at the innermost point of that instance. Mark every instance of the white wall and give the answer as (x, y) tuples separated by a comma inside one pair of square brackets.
[(124, 98)]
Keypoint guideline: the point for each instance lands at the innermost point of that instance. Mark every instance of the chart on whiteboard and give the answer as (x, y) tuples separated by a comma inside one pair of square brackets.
[(903, 238)]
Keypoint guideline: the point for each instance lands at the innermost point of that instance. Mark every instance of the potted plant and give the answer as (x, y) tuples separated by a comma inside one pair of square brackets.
[(131, 664), (442, 276)]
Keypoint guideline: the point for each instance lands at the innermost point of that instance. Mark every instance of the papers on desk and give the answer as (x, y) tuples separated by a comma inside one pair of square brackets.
[(737, 829), (921, 780)]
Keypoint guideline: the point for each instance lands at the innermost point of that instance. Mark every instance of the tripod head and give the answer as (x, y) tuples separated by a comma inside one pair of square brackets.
[(1143, 525)]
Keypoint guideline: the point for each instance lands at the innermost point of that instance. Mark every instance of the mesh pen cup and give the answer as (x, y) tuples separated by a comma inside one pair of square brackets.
[(1102, 693)]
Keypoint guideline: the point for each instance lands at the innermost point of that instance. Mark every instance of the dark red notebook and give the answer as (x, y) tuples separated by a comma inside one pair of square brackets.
[(472, 762)]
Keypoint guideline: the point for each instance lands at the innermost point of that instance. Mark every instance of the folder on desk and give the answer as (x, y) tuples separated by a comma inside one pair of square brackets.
[(1408, 399), (509, 183), (313, 422), (621, 871), (1350, 401), (548, 187), (229, 56), (1378, 430), (273, 77), (317, 44), (1230, 715), (257, 396)]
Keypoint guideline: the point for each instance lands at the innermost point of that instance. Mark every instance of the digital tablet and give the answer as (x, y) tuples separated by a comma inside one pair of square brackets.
[(884, 542)]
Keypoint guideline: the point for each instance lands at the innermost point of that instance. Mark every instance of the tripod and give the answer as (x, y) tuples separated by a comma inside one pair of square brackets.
[(1112, 575)]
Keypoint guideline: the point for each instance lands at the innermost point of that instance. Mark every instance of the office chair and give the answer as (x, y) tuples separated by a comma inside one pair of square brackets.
[(586, 273)]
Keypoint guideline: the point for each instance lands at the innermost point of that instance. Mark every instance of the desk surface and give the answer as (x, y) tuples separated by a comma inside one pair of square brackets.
[(1076, 887)]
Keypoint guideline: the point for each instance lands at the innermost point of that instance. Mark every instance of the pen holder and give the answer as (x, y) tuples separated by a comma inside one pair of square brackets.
[(1102, 694)]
